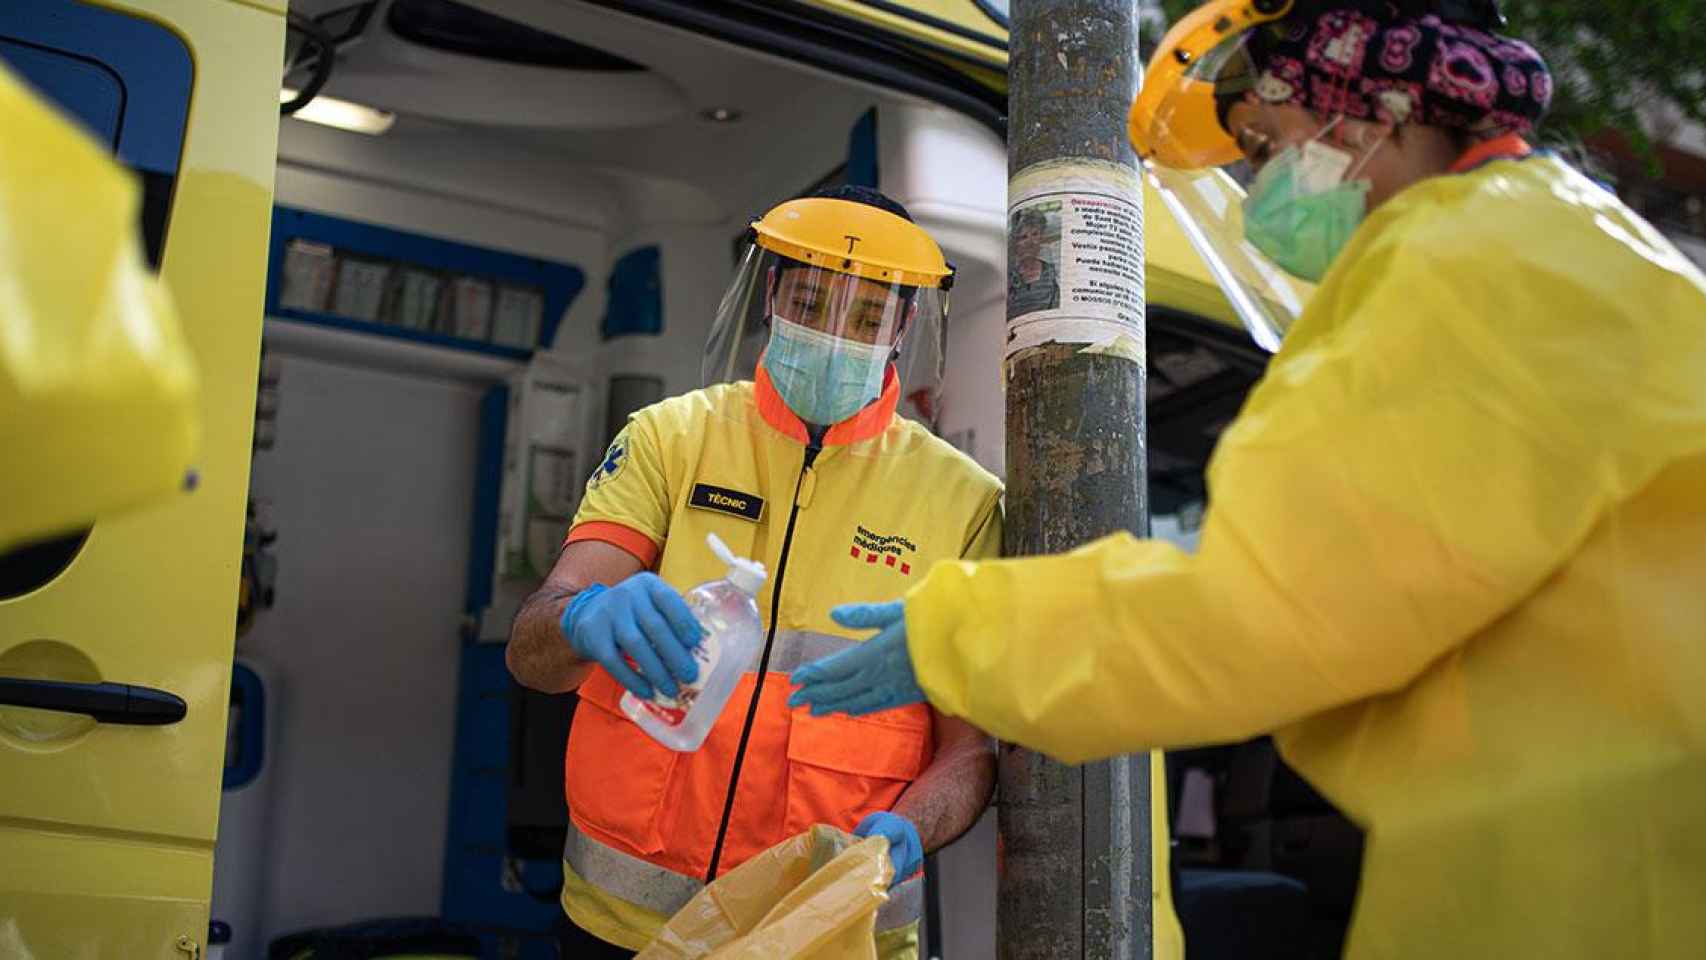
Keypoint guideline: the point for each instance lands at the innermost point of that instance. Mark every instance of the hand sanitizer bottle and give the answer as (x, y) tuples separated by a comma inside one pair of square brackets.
[(728, 610)]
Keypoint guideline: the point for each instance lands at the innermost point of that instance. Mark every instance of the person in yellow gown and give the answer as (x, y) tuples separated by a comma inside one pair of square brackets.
[(1455, 553)]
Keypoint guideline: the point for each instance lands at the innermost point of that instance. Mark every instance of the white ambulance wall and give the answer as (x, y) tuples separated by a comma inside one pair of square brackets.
[(695, 265), (974, 416), (951, 173), (795, 149), (458, 163), (369, 483), (695, 227)]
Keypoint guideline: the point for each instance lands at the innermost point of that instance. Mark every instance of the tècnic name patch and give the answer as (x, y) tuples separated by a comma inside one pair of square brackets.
[(723, 500)]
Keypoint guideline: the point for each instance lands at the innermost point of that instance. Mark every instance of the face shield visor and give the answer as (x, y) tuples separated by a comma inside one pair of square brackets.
[(1201, 67), (827, 325)]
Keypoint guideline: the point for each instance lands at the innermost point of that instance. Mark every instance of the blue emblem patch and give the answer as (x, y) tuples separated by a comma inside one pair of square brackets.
[(614, 459)]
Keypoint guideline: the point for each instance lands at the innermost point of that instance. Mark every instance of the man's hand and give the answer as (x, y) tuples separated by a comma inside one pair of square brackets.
[(640, 630), (871, 676), (906, 850), (951, 793)]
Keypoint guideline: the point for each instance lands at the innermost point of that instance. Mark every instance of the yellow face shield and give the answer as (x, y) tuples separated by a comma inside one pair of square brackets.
[(1175, 127), (839, 305), (830, 292), (1174, 121)]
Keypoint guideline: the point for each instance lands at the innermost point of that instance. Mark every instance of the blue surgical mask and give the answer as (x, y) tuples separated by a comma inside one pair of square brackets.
[(1301, 209), (824, 379)]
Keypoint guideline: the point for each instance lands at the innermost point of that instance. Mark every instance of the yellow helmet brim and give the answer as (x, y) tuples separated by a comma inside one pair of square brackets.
[(1173, 120), (853, 238)]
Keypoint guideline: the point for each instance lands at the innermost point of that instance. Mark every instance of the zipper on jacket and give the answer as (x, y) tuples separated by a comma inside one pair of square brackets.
[(813, 448)]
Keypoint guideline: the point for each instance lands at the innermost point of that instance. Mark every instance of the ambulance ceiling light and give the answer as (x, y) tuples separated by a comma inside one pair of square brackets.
[(342, 114)]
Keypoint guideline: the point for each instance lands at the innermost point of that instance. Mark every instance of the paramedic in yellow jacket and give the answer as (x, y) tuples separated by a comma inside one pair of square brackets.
[(1455, 554), (810, 471)]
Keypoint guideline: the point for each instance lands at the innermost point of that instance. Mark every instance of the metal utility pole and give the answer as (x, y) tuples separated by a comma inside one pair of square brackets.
[(1076, 881)]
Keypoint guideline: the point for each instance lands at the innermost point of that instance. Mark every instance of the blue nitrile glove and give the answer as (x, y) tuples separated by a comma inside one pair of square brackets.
[(641, 619), (906, 851), (872, 676)]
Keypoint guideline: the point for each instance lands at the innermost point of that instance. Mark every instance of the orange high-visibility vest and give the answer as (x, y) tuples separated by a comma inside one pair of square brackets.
[(858, 518)]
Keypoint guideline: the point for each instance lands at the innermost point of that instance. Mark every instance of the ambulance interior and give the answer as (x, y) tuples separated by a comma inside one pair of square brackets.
[(523, 239)]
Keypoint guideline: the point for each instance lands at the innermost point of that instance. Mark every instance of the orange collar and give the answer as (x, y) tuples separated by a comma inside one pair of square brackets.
[(867, 423), (1508, 147)]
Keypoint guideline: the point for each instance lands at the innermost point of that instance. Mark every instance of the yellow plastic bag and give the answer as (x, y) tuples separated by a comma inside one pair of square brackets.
[(97, 388), (811, 897)]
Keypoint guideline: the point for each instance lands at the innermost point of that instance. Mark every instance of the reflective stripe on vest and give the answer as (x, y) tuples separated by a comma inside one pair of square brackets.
[(796, 648), (665, 891)]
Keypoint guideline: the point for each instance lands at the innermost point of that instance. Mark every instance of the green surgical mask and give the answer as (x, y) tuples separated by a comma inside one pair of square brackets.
[(1301, 210), (824, 379)]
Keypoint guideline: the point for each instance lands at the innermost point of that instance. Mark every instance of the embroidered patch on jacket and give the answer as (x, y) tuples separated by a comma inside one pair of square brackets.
[(614, 459), (723, 500), (895, 552)]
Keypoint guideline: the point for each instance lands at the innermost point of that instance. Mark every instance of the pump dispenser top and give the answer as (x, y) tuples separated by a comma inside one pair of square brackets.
[(747, 575)]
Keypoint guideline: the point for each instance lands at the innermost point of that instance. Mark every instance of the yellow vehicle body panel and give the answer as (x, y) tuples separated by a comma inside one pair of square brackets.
[(106, 832), (959, 27)]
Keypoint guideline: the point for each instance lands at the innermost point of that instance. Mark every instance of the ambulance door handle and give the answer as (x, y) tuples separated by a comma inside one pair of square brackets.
[(121, 703)]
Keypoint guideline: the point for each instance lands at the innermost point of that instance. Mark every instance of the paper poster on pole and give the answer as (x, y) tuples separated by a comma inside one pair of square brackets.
[(1075, 258)]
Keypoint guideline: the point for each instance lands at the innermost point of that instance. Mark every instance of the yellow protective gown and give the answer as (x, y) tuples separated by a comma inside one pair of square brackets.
[(1455, 557), (97, 385)]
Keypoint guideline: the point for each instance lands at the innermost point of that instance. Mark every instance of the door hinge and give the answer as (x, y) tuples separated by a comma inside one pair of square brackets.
[(189, 947)]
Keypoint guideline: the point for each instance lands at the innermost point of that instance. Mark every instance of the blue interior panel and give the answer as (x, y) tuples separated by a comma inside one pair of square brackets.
[(127, 80), (245, 732), (475, 891), (559, 283), (91, 92), (635, 301), (862, 151)]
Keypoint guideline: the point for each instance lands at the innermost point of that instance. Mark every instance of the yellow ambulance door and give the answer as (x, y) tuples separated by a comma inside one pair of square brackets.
[(116, 641)]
